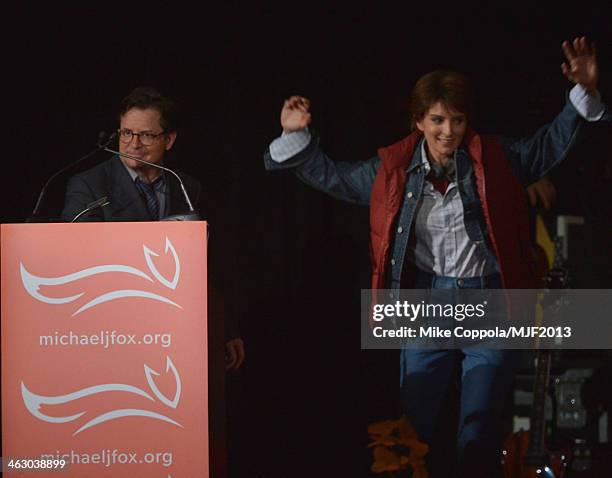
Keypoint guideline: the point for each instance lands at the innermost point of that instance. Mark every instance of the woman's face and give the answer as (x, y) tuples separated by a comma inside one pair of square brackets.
[(444, 128)]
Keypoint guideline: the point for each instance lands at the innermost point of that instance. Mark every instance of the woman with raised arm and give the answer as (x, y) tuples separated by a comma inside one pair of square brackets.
[(448, 210)]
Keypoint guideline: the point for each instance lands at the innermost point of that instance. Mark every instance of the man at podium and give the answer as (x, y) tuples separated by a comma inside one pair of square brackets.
[(134, 184)]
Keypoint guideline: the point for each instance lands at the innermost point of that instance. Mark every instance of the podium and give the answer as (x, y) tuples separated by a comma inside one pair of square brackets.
[(105, 349)]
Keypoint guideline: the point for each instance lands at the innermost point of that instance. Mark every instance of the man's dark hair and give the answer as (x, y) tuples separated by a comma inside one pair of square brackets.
[(446, 86), (145, 97)]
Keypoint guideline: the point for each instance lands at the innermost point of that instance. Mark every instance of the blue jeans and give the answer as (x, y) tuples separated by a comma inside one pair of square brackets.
[(486, 378)]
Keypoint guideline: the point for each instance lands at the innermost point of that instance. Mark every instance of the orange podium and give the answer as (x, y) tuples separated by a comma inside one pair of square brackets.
[(105, 349)]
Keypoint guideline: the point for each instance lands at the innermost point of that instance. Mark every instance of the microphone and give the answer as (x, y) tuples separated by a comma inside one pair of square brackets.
[(103, 201), (192, 215), (103, 141)]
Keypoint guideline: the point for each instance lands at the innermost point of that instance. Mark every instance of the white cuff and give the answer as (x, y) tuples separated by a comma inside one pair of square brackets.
[(588, 105), (288, 145)]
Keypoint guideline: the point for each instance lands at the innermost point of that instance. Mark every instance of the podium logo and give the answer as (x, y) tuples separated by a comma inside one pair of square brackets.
[(34, 401), (33, 282)]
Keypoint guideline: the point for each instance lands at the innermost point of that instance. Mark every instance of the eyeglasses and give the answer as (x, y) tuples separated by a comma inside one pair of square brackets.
[(126, 136)]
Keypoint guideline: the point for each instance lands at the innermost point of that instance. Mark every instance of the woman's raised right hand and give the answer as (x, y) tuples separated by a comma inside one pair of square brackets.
[(295, 114)]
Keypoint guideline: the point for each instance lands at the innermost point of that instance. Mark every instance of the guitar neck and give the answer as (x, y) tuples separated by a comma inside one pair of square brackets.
[(537, 429), (556, 278)]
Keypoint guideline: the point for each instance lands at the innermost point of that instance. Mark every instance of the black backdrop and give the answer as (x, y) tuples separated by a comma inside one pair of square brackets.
[(306, 392)]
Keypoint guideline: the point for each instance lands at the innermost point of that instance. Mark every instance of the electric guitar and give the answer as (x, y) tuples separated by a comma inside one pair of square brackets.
[(525, 454)]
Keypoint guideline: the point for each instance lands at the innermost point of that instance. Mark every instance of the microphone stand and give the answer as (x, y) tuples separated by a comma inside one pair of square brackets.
[(192, 215), (101, 146)]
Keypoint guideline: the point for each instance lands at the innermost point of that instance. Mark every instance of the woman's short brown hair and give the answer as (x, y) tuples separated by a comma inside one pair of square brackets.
[(446, 86)]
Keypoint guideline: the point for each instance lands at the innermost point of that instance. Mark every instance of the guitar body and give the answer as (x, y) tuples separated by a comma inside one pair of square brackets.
[(517, 464)]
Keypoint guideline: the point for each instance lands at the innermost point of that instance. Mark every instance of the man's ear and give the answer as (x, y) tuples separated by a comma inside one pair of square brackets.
[(419, 125), (170, 139)]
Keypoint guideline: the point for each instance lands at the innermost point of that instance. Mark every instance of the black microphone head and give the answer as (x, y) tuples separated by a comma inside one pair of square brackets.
[(102, 135), (104, 139)]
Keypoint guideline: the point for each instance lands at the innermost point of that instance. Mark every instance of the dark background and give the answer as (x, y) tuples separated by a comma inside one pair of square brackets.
[(306, 393)]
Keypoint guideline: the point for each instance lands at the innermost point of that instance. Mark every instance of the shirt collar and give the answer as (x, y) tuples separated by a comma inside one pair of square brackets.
[(424, 163), (417, 157), (133, 174)]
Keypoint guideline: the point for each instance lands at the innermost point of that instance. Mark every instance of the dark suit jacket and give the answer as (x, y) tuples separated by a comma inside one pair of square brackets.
[(111, 180)]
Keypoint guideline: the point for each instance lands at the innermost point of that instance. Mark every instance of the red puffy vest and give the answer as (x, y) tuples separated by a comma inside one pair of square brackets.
[(503, 201)]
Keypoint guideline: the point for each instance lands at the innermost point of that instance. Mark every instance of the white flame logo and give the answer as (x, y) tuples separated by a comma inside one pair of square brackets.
[(33, 282), (33, 401)]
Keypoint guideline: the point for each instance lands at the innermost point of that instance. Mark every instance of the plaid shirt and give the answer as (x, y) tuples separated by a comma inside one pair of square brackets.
[(442, 244)]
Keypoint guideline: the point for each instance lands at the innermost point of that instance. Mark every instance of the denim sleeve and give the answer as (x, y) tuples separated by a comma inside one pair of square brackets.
[(532, 157), (351, 182)]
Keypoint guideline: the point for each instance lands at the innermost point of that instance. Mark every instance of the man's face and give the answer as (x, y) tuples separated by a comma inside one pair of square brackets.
[(444, 129), (144, 121)]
